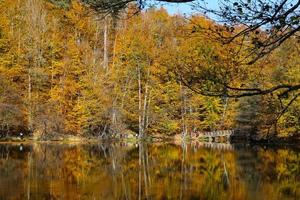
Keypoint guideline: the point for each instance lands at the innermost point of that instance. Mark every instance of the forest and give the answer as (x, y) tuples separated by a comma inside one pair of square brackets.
[(67, 69)]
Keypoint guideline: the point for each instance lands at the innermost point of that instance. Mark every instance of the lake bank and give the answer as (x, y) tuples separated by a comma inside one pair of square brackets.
[(65, 138)]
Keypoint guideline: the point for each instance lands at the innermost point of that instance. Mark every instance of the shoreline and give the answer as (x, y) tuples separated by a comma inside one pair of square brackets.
[(153, 139)]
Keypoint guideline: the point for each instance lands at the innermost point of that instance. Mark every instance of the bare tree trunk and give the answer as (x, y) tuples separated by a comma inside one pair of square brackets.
[(19, 38), (29, 100), (144, 109), (114, 51), (113, 115), (147, 113), (140, 102), (145, 106), (183, 111), (105, 44), (224, 111), (95, 54)]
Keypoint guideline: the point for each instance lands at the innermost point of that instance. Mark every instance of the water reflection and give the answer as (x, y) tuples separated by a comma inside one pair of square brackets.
[(148, 171)]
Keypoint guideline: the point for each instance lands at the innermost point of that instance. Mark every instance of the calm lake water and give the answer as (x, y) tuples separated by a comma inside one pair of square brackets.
[(148, 171)]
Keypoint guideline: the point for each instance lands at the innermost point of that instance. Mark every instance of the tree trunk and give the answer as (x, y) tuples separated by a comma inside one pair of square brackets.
[(105, 44), (183, 111), (140, 102), (224, 111), (29, 100), (145, 106), (147, 112)]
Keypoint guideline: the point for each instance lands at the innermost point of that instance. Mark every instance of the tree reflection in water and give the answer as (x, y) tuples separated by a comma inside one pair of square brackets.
[(148, 171)]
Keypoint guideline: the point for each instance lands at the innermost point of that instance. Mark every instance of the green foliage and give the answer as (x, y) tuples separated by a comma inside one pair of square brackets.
[(61, 3)]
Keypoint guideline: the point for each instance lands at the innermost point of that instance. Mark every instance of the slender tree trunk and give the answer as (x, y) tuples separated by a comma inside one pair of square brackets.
[(95, 54), (140, 102), (113, 115), (145, 109), (147, 112), (29, 100), (114, 51), (105, 44), (183, 111), (145, 104), (19, 38), (224, 111)]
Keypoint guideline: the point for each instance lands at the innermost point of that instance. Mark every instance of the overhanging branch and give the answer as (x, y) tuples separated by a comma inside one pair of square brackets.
[(233, 92)]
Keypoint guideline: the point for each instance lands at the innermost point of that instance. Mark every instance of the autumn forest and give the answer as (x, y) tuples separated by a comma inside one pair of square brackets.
[(126, 99), (67, 69)]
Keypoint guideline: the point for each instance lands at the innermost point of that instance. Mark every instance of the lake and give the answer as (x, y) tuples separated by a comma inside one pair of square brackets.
[(119, 170)]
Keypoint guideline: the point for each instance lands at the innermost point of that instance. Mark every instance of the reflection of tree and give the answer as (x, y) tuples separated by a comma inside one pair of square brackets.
[(248, 160), (146, 171), (183, 170), (277, 172), (282, 167)]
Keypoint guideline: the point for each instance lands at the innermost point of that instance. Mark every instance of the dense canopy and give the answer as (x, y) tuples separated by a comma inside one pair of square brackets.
[(65, 68)]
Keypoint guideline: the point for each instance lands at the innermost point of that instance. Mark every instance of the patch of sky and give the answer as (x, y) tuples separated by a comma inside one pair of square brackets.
[(184, 8)]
